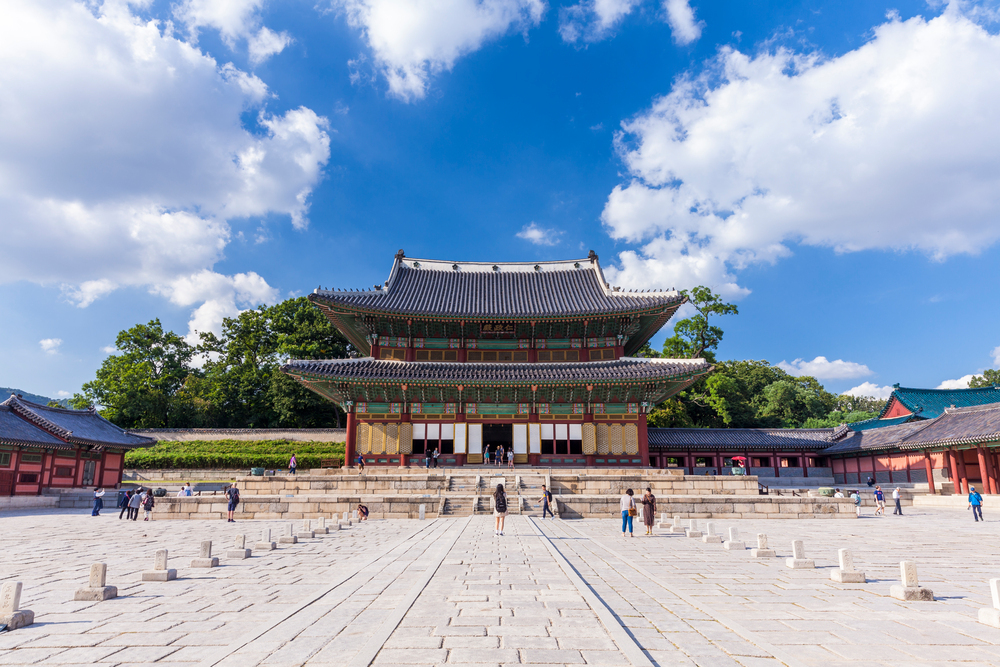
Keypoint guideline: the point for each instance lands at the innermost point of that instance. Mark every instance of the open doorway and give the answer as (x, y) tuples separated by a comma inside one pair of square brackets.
[(497, 435)]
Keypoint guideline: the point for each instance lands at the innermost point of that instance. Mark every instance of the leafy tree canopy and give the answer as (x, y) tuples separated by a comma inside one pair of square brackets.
[(694, 336), (155, 382), (989, 378)]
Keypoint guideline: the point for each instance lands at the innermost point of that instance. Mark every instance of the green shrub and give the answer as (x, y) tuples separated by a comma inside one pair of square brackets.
[(273, 454)]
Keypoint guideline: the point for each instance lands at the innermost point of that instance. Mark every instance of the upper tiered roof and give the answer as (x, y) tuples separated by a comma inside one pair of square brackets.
[(488, 290)]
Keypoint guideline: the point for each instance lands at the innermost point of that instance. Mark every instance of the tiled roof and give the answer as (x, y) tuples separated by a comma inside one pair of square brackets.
[(930, 403), (959, 426), (502, 290), (84, 427), (876, 439), (741, 438), (384, 370), (875, 422), (16, 431)]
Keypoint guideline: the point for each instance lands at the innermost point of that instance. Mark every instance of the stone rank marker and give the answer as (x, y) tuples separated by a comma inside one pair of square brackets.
[(762, 550), (798, 561), (321, 529), (734, 543), (846, 574), (305, 533), (423, 512), (289, 536), (205, 557), (97, 589), (265, 543), (239, 550), (692, 530), (11, 613), (910, 588), (159, 571), (710, 536), (676, 526), (991, 615)]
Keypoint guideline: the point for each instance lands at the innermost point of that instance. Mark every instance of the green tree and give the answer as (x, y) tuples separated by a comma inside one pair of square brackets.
[(989, 378), (136, 387), (694, 336), (669, 414), (847, 403)]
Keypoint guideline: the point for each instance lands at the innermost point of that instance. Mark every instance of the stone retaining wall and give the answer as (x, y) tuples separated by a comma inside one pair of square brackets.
[(715, 507), (402, 506), (182, 474)]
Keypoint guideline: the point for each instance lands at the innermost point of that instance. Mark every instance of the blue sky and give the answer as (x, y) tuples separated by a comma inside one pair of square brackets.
[(831, 167)]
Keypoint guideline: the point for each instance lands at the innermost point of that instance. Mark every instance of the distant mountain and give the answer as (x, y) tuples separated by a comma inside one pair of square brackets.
[(28, 396)]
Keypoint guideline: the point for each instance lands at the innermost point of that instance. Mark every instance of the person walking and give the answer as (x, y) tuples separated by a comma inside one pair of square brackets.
[(895, 498), (976, 504), (856, 497), (427, 459), (499, 509), (134, 502), (628, 511), (486, 455), (510, 458), (147, 505), (293, 463), (98, 501), (434, 456), (499, 456), (233, 494), (879, 502), (546, 500), (648, 510), (361, 464), (123, 504)]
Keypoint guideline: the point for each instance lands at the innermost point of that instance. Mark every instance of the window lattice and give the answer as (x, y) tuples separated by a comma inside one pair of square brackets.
[(392, 439), (617, 443), (631, 439), (603, 439), (378, 439), (589, 439), (406, 438), (364, 438)]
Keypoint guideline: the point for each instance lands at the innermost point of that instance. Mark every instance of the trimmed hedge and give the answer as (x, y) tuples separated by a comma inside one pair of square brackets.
[(273, 454)]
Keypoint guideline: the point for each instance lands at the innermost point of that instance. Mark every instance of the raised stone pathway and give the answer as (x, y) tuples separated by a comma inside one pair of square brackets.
[(448, 591)]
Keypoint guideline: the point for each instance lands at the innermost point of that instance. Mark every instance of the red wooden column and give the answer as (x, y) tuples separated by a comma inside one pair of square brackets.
[(962, 472), (990, 481), (352, 427), (984, 471), (643, 439), (953, 472), (930, 472)]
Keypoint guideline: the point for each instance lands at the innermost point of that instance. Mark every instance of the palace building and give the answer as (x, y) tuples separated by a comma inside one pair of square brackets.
[(464, 357), (44, 448)]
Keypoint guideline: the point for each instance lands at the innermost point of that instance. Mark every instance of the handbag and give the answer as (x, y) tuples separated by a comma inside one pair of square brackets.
[(631, 509)]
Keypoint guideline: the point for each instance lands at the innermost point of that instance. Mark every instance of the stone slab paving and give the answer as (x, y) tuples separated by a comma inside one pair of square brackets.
[(450, 592)]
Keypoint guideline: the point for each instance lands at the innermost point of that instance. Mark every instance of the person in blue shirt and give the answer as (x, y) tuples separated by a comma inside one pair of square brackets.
[(879, 502), (976, 503)]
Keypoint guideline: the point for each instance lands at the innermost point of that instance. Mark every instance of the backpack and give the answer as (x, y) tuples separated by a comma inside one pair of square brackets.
[(234, 495), (501, 501), (149, 502)]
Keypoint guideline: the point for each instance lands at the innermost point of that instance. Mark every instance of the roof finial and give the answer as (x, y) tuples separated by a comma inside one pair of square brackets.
[(592, 256), (400, 254)]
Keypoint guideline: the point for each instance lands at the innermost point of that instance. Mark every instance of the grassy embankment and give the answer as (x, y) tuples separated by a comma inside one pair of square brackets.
[(234, 454)]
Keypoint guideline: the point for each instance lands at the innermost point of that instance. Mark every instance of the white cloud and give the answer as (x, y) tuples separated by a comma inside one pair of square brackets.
[(683, 26), (411, 40), (996, 356), (235, 20), (592, 20), (63, 394), (123, 160), (50, 345), (539, 235), (109, 349), (220, 297), (266, 43), (870, 389), (892, 146), (960, 383), (824, 369)]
